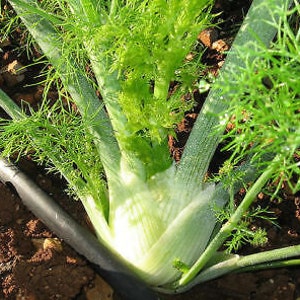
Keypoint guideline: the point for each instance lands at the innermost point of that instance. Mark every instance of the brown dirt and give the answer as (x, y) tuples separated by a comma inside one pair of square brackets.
[(35, 264)]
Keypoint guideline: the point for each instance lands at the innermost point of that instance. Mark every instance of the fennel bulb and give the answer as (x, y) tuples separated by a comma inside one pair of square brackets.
[(154, 223)]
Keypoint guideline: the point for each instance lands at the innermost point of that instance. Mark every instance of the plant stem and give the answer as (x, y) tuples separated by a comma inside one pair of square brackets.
[(275, 258), (226, 229), (257, 261), (10, 107), (161, 87), (109, 86), (295, 251), (113, 7)]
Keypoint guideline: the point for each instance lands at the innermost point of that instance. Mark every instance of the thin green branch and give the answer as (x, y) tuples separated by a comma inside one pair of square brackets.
[(114, 5), (226, 229)]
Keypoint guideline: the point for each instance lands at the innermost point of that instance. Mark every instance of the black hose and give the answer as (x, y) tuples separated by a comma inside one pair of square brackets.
[(110, 267)]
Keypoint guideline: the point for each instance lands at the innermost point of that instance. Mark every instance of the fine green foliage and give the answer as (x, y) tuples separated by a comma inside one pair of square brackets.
[(265, 113), (163, 218), (245, 232), (56, 137)]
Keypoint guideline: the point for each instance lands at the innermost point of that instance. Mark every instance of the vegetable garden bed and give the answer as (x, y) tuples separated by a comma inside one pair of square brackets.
[(34, 264)]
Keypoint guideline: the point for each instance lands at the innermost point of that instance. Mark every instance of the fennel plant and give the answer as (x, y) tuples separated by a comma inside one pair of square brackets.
[(159, 216)]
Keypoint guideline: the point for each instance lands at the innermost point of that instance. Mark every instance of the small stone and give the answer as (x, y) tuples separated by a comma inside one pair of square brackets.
[(4, 43), (208, 36), (48, 243), (16, 68), (53, 243), (220, 46)]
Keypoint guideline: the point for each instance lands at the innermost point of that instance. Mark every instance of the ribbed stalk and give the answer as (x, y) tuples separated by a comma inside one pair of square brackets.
[(276, 258), (10, 107), (107, 81)]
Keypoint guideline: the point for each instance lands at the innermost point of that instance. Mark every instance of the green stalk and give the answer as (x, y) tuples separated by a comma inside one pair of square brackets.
[(256, 261), (257, 28), (10, 107), (276, 258), (108, 82), (161, 88), (267, 263), (110, 88), (230, 225), (113, 7)]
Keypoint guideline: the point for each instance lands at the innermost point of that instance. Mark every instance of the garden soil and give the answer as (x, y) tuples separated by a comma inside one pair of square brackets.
[(36, 265)]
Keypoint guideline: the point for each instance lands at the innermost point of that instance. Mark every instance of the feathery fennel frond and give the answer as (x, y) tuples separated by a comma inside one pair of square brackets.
[(264, 115), (58, 139)]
